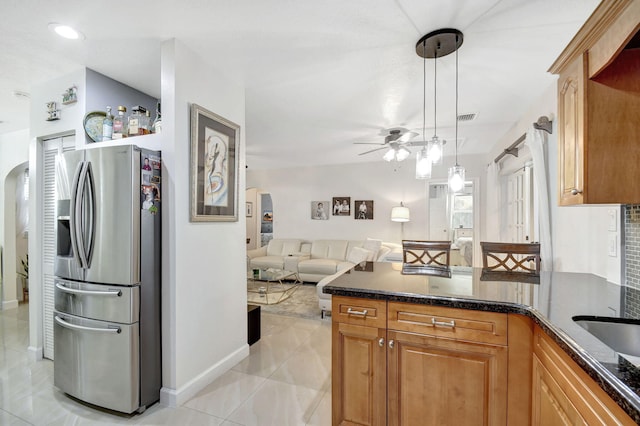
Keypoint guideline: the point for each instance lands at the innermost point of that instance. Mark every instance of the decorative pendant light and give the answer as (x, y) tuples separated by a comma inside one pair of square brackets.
[(435, 144), (457, 172), (434, 45), (423, 161)]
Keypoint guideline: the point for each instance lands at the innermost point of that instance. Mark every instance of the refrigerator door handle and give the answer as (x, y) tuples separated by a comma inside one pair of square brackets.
[(79, 213), (66, 289), (75, 209), (91, 207), (63, 323)]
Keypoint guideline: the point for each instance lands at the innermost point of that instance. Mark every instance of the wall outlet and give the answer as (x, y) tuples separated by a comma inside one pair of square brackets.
[(613, 245)]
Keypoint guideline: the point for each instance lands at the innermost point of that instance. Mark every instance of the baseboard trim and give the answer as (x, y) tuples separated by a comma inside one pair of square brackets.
[(176, 397), (9, 304), (35, 353)]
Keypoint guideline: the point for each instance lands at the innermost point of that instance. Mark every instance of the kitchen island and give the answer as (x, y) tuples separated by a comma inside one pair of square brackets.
[(504, 331)]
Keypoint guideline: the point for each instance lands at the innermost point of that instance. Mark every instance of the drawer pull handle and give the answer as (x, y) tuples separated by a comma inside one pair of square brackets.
[(576, 191), (361, 313), (66, 289), (391, 344), (381, 342), (450, 324)]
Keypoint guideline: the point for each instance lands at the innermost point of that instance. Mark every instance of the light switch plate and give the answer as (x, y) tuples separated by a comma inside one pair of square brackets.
[(613, 220), (613, 245)]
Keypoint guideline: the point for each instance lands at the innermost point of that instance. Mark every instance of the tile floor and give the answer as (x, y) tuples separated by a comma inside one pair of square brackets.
[(284, 381)]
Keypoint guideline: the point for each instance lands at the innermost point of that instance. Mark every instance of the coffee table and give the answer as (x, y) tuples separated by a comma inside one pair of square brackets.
[(270, 286)]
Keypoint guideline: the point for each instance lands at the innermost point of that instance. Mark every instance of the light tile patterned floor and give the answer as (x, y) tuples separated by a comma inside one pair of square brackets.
[(284, 381)]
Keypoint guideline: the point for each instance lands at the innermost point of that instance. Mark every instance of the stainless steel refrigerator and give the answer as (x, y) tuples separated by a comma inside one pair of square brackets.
[(107, 289)]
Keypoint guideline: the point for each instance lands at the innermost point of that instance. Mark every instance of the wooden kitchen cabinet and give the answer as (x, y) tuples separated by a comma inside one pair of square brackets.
[(427, 365), (359, 362), (599, 108), (564, 394)]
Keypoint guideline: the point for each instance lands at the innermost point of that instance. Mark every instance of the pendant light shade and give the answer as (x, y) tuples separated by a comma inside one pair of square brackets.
[(435, 150), (400, 214), (456, 178), (423, 164)]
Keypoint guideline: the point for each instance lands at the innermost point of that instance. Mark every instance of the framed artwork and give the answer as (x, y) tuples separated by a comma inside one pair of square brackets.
[(341, 206), (319, 210), (363, 209), (214, 167), (249, 209)]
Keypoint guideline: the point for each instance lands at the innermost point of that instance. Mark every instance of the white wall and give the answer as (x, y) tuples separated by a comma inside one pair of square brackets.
[(14, 150), (204, 322), (387, 184), (580, 234)]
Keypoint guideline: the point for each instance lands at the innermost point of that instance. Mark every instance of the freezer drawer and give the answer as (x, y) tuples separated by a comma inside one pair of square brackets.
[(97, 301), (97, 361)]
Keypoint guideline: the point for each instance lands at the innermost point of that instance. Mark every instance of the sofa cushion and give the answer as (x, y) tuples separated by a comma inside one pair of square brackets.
[(373, 245), (278, 247), (318, 266), (358, 254), (265, 262), (329, 249)]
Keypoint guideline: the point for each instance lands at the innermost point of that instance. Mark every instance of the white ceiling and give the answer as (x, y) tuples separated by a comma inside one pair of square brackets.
[(319, 75)]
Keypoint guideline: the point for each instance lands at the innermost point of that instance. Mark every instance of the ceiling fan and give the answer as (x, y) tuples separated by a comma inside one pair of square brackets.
[(394, 144)]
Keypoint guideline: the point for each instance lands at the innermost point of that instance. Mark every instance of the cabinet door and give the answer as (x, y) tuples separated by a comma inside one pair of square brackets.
[(571, 115), (359, 375), (437, 381), (551, 406), (563, 393)]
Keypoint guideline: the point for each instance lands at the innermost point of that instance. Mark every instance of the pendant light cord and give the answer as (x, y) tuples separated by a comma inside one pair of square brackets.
[(435, 91), (456, 101), (424, 93)]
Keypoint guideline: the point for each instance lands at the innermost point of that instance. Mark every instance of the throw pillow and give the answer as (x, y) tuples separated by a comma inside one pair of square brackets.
[(373, 246), (358, 254)]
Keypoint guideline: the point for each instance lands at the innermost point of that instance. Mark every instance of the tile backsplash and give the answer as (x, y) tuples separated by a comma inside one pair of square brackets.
[(632, 260)]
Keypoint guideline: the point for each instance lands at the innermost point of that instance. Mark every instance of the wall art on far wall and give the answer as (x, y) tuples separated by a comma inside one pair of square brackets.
[(214, 167), (319, 210), (363, 209), (341, 206)]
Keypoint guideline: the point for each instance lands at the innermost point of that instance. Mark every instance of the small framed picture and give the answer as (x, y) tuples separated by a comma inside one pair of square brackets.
[(363, 210), (319, 210), (341, 206), (249, 209)]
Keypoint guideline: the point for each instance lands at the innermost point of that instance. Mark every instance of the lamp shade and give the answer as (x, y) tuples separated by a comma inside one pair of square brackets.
[(400, 214)]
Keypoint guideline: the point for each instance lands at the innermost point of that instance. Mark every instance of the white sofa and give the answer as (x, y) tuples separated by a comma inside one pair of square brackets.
[(317, 259)]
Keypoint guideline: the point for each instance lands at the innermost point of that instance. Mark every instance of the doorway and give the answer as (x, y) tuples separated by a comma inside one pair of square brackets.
[(454, 217)]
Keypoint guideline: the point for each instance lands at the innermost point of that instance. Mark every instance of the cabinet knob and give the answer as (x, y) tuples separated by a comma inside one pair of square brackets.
[(381, 342), (391, 344), (575, 191)]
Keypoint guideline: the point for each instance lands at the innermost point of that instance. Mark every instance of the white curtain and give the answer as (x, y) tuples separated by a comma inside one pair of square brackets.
[(492, 219), (536, 140)]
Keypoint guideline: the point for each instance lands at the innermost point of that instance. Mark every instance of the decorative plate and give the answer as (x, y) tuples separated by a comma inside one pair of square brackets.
[(93, 124)]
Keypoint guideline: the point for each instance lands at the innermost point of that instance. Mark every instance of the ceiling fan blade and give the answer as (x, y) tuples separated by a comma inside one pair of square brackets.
[(373, 150), (406, 137), (368, 143)]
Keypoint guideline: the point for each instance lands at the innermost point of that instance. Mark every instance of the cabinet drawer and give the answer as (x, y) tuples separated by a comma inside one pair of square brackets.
[(353, 310), (474, 326)]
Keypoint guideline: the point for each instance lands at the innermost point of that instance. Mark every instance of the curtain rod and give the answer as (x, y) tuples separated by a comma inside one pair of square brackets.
[(543, 123)]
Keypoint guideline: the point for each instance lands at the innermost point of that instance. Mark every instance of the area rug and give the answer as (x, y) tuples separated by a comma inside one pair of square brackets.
[(303, 303)]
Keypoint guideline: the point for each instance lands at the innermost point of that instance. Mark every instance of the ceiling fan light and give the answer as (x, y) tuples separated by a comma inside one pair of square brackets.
[(456, 178), (423, 165), (435, 150), (389, 155), (402, 154)]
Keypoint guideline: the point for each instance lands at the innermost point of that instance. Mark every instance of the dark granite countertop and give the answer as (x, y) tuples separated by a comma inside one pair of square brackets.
[(551, 303)]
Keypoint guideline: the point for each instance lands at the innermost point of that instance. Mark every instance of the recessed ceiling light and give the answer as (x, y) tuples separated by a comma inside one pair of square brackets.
[(66, 31)]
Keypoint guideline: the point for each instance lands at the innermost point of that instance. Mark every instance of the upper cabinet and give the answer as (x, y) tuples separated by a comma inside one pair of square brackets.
[(599, 108)]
